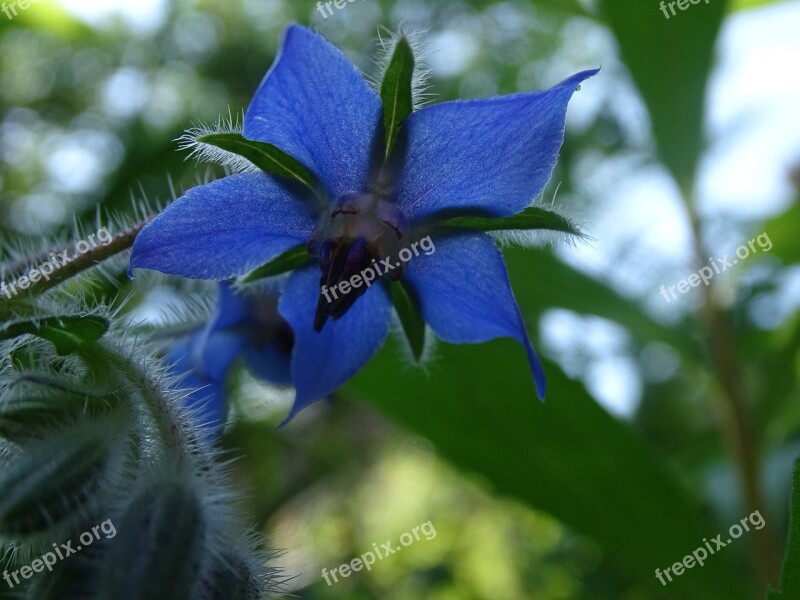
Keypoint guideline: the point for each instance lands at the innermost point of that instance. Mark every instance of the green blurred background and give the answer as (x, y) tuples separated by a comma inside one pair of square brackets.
[(666, 422)]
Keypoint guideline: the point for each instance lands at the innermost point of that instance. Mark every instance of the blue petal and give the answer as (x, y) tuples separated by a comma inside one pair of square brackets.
[(218, 353), (224, 229), (232, 309), (492, 156), (322, 362), (207, 397), (465, 295), (315, 105)]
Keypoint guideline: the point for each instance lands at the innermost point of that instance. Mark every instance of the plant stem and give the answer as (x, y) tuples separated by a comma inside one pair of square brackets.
[(737, 428), (176, 434), (80, 263)]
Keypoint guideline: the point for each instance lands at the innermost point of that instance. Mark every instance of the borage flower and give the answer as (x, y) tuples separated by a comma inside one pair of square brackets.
[(241, 327), (351, 177)]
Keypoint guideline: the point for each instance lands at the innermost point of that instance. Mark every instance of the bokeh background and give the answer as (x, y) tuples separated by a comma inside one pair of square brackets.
[(666, 422)]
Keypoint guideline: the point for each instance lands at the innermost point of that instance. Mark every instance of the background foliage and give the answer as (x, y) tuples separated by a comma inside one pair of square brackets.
[(581, 497)]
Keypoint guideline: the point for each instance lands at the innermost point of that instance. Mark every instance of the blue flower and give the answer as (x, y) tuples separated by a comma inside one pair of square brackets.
[(488, 157), (247, 327)]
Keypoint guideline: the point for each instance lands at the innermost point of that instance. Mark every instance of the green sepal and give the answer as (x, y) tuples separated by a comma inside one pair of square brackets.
[(288, 261), (265, 156), (396, 92), (531, 218), (410, 318), (67, 333)]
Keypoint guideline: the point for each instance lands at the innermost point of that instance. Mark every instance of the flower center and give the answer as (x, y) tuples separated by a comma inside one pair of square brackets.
[(361, 230)]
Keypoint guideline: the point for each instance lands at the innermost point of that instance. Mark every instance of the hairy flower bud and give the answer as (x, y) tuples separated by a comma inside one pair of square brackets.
[(159, 548), (51, 480), (27, 407)]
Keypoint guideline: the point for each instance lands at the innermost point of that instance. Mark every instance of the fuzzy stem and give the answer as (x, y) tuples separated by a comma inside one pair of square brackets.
[(178, 438), (81, 262)]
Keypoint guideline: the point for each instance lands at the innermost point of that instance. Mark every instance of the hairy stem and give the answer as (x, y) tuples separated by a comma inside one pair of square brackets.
[(78, 264), (175, 433)]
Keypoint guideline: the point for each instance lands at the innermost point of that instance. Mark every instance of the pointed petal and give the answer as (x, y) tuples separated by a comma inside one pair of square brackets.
[(491, 156), (322, 362), (230, 310), (465, 295), (224, 229), (316, 106)]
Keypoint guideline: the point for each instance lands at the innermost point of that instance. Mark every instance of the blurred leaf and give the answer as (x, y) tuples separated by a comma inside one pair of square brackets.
[(790, 573), (531, 218), (567, 457), (670, 60), (747, 4), (396, 93), (66, 333), (782, 231), (541, 282), (288, 261), (265, 156), (775, 359)]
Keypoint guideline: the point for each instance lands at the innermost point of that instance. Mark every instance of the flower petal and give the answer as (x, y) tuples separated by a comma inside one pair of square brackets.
[(207, 397), (316, 106), (218, 352), (492, 156), (322, 362), (465, 295), (224, 229)]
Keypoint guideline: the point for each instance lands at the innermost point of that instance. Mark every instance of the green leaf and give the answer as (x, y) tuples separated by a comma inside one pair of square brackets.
[(568, 457), (67, 333), (266, 157), (410, 318), (531, 218), (670, 60), (396, 92), (542, 282), (790, 572), (288, 261)]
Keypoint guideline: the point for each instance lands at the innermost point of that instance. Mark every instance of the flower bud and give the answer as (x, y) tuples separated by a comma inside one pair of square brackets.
[(27, 408), (159, 547), (51, 480)]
